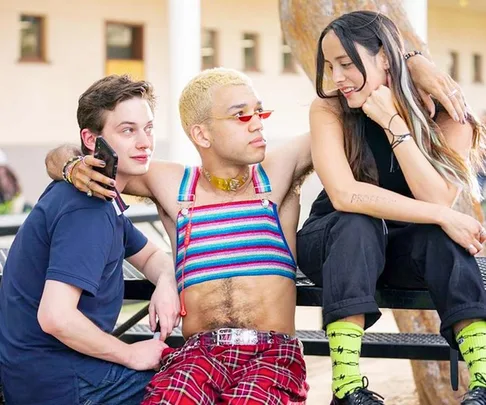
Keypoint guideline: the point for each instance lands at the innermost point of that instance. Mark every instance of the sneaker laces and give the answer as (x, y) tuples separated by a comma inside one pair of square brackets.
[(364, 396), (477, 394)]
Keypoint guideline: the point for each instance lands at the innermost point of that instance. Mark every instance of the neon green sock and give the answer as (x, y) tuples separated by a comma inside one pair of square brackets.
[(472, 345), (345, 347)]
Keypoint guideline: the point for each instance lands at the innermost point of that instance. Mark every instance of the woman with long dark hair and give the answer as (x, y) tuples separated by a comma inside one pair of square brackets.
[(391, 174)]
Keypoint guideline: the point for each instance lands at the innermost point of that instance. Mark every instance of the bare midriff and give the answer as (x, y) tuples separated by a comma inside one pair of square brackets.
[(264, 303)]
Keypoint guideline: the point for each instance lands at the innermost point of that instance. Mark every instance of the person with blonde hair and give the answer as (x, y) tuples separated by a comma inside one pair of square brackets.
[(232, 224), (232, 228), (390, 174)]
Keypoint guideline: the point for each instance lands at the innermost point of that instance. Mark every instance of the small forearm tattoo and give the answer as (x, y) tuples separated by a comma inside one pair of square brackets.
[(369, 199)]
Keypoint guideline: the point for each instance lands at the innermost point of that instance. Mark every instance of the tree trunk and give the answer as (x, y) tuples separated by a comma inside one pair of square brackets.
[(302, 22)]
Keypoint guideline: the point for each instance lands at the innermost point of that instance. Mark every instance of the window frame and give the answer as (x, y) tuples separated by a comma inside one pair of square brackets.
[(454, 67), (255, 68), (293, 66), (215, 48), (42, 57), (478, 70), (137, 46)]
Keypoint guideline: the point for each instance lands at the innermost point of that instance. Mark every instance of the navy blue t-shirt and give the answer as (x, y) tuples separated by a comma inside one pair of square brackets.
[(77, 240)]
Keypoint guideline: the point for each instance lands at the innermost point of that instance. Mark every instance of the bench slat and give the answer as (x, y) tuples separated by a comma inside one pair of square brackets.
[(138, 288), (412, 346)]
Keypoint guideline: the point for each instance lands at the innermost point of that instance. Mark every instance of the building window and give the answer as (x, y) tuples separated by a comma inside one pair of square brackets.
[(250, 52), (124, 41), (454, 65), (288, 62), (478, 68), (32, 39), (209, 55)]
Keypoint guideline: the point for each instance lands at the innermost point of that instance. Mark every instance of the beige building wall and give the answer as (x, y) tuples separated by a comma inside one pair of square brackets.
[(39, 100), (38, 106), (42, 97), (290, 94), (462, 30)]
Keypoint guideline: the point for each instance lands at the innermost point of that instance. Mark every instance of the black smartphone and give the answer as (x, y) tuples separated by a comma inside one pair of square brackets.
[(106, 153)]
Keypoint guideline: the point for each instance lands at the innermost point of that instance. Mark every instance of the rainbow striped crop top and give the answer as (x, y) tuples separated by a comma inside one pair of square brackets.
[(242, 238)]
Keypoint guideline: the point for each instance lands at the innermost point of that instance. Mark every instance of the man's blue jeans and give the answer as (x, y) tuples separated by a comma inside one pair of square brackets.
[(120, 386)]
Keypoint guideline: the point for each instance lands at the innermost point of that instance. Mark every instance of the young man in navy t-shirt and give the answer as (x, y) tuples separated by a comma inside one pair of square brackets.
[(62, 287)]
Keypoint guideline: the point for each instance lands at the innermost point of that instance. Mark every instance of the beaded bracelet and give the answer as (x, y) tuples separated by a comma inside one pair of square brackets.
[(408, 55), (69, 166)]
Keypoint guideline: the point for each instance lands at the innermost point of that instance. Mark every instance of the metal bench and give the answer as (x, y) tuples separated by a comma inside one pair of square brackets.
[(384, 345), (379, 345), (413, 346), (388, 345)]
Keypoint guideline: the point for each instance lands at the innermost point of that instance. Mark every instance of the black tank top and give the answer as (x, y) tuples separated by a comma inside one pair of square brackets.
[(390, 176)]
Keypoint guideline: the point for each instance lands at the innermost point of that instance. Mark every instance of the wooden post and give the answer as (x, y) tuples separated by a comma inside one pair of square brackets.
[(302, 22)]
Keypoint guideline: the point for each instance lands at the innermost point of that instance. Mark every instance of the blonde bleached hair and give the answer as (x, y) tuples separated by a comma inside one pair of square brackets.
[(196, 101)]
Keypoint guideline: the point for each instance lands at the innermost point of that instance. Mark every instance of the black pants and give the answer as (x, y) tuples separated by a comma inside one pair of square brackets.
[(348, 254)]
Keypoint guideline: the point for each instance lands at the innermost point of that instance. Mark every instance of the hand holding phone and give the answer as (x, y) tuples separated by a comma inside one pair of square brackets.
[(105, 152)]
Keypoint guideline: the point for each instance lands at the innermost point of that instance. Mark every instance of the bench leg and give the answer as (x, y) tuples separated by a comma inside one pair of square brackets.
[(454, 369), (131, 322)]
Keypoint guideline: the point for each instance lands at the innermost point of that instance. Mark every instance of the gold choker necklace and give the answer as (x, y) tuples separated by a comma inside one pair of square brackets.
[(231, 184)]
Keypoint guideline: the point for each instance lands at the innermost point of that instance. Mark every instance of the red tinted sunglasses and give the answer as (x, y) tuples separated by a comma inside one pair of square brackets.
[(245, 118)]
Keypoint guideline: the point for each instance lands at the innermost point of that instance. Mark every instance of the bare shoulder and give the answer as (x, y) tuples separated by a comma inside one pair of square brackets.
[(447, 124), (163, 180), (165, 167), (452, 129), (329, 106), (164, 171), (459, 137)]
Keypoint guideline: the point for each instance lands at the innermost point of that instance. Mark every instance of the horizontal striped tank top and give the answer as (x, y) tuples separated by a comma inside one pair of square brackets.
[(233, 239)]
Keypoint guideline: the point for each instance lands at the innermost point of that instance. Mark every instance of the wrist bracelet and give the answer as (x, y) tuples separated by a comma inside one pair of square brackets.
[(398, 139), (70, 170), (68, 167), (408, 55), (389, 122)]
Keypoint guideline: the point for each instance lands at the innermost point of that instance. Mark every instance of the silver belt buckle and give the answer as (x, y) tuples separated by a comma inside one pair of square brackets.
[(224, 336), (245, 337), (236, 337)]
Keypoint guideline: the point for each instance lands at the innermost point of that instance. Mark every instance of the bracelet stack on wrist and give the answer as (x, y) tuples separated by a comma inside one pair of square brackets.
[(408, 55), (67, 168)]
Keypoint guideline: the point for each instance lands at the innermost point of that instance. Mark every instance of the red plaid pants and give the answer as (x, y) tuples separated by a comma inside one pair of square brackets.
[(263, 374)]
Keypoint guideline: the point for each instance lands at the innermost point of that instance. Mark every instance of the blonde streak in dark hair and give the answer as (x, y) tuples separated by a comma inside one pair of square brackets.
[(431, 140), (452, 162), (414, 108), (394, 59), (433, 143), (477, 152), (478, 149)]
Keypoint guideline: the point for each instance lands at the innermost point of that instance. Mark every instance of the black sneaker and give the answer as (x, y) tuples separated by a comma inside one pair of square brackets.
[(363, 396), (477, 395)]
